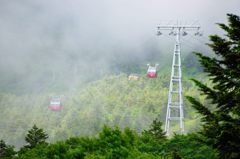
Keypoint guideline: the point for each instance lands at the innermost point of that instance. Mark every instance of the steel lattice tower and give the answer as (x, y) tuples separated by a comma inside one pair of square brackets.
[(175, 95)]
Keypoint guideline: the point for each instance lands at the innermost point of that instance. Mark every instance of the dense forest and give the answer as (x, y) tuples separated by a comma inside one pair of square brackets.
[(113, 100), (113, 117)]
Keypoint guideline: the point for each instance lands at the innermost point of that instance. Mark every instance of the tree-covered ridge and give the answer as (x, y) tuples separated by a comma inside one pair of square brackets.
[(113, 143), (113, 100)]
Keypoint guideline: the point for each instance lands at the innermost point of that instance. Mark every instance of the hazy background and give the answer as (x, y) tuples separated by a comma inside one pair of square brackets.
[(59, 47), (58, 44)]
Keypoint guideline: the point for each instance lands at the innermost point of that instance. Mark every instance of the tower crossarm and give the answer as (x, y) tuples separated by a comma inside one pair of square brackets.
[(169, 27)]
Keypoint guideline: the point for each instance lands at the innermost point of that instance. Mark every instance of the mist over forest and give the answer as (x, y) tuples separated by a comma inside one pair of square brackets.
[(83, 52), (73, 42)]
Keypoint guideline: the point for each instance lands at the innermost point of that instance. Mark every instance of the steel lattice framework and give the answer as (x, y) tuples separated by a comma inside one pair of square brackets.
[(175, 111)]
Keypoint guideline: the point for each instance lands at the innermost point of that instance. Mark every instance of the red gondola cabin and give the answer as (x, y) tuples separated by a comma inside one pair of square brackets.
[(152, 71), (55, 105)]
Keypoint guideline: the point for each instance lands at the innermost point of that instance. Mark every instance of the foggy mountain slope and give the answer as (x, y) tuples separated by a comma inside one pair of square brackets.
[(84, 50), (112, 100)]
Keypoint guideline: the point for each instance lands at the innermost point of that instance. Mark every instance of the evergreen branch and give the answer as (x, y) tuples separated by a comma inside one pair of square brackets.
[(207, 115)]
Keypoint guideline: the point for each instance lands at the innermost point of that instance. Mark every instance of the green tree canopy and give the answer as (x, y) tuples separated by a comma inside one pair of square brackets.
[(35, 136), (222, 124), (6, 150), (156, 131), (153, 138)]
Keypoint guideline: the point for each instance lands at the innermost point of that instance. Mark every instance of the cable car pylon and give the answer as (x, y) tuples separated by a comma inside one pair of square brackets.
[(175, 111)]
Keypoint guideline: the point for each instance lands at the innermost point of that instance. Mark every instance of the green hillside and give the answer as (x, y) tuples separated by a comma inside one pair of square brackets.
[(112, 100)]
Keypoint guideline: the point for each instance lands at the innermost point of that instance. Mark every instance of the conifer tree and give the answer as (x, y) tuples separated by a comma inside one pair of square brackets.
[(221, 126), (6, 150), (156, 131), (35, 136), (152, 139)]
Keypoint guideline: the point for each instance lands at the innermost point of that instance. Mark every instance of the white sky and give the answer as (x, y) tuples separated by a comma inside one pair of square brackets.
[(98, 30)]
